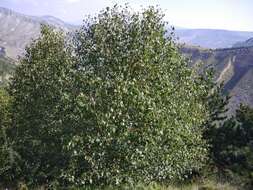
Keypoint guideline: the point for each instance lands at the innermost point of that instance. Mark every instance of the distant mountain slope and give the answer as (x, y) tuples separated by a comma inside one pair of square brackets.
[(234, 67), (210, 38), (17, 30), (247, 43)]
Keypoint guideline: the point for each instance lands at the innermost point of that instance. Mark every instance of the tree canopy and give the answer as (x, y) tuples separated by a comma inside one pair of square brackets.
[(140, 105), (116, 104)]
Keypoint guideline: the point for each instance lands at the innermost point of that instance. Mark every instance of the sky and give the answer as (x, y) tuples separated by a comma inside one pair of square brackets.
[(213, 14)]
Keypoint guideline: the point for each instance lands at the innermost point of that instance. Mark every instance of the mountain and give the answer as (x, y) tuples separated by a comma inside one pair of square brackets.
[(234, 68), (211, 38), (17, 30), (247, 43)]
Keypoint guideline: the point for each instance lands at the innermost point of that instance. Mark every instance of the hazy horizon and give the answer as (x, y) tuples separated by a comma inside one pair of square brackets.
[(194, 14)]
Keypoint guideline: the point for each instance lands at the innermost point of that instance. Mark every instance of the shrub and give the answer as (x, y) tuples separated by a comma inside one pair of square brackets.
[(124, 107), (40, 89), (139, 105)]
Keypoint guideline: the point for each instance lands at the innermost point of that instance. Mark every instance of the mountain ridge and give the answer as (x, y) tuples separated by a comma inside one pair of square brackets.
[(212, 38), (17, 30)]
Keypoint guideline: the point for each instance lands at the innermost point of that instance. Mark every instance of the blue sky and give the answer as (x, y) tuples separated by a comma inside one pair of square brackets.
[(216, 14)]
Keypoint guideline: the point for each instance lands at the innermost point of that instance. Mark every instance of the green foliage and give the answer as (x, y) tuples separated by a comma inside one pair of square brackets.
[(7, 67), (230, 139), (205, 185), (123, 107), (8, 157), (139, 105), (233, 146), (40, 89), (218, 108), (5, 101), (4, 123), (117, 105)]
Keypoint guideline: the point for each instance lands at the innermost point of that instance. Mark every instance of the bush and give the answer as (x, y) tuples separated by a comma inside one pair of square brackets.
[(124, 107), (40, 90), (139, 105)]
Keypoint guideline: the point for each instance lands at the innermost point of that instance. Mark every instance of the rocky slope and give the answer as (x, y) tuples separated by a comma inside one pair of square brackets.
[(234, 68), (17, 30)]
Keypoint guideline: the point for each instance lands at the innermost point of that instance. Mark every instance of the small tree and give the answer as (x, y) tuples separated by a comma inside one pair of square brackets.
[(40, 89), (233, 146), (218, 107), (140, 106)]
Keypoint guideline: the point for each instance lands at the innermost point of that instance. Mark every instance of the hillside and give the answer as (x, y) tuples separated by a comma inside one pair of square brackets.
[(210, 38), (17, 30), (247, 43), (233, 66)]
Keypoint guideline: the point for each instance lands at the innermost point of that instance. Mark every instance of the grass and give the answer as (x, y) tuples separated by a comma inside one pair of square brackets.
[(212, 182), (209, 185)]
